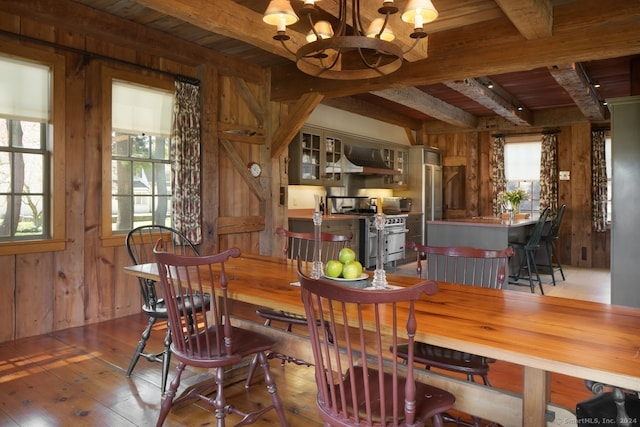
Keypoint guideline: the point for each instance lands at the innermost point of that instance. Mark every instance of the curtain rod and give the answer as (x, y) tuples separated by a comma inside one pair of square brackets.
[(184, 79), (543, 132)]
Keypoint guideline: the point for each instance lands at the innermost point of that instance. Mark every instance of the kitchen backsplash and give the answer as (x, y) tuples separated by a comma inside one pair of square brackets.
[(302, 196)]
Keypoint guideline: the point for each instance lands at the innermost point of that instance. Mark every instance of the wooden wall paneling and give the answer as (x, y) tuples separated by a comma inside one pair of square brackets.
[(565, 162), (241, 104), (276, 179), (34, 294), (98, 290), (68, 281), (8, 298), (581, 195), (126, 296), (210, 149)]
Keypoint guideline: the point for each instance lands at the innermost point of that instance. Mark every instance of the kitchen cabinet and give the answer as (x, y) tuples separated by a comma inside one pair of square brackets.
[(316, 158), (334, 226), (396, 159)]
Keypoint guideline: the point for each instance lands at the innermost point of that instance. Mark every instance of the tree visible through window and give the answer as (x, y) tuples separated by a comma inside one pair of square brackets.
[(24, 159), (522, 170), (140, 156)]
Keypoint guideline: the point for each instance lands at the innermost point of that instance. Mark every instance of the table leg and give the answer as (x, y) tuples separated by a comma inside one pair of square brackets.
[(536, 394)]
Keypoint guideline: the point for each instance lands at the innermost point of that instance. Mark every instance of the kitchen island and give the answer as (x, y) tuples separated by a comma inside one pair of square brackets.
[(481, 232)]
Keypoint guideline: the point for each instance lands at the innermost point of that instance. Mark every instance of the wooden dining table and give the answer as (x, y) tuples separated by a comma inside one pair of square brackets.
[(543, 334)]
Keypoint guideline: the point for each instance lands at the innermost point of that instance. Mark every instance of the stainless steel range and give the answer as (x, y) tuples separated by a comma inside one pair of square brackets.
[(395, 237)]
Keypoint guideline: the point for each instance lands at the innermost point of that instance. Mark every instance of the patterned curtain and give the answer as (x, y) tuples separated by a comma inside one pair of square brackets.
[(499, 179), (598, 182), (549, 173), (185, 161)]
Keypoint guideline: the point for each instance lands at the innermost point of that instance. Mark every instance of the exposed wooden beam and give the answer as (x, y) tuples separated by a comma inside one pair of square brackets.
[(574, 80), (239, 224), (252, 103), (591, 30), (372, 111), (508, 108), (532, 18), (241, 168), (227, 18), (298, 115), (434, 107), (542, 119), (130, 35)]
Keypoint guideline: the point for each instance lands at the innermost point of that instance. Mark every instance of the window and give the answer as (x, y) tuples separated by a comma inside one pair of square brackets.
[(31, 152), (522, 170), (138, 185)]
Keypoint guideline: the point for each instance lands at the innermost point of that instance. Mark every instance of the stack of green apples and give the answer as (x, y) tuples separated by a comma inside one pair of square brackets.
[(345, 266)]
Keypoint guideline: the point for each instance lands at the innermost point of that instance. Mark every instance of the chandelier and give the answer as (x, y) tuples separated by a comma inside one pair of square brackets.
[(348, 52)]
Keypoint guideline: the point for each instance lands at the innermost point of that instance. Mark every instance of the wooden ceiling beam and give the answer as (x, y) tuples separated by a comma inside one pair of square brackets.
[(532, 18), (573, 78), (298, 115), (94, 23), (229, 19), (372, 111), (503, 105), (583, 31), (434, 107)]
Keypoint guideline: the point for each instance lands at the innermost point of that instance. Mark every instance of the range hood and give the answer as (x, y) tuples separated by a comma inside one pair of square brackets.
[(365, 161)]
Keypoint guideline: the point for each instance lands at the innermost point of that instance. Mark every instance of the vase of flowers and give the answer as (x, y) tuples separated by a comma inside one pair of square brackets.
[(511, 199)]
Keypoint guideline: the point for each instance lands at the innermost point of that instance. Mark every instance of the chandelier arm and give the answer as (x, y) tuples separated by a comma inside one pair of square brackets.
[(384, 25), (287, 47), (415, 42), (335, 61), (342, 18), (356, 21), (313, 27), (366, 63)]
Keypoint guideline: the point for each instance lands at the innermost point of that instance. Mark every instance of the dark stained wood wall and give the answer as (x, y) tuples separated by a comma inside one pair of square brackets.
[(85, 283), (473, 150)]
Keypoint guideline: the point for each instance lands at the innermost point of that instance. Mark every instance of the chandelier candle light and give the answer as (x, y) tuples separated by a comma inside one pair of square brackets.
[(348, 51)]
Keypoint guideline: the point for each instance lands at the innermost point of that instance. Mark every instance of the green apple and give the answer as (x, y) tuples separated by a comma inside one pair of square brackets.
[(352, 270), (346, 255), (333, 268)]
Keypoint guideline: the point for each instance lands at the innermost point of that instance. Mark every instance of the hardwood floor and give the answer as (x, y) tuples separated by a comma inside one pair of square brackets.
[(75, 377)]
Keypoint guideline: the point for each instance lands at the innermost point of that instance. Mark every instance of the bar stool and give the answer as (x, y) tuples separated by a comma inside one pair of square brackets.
[(549, 239), (528, 250)]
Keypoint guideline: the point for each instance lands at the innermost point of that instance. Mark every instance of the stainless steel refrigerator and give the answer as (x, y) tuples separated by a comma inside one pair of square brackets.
[(425, 184)]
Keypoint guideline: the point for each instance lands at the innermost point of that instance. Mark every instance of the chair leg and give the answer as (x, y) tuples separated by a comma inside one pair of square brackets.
[(531, 266), (555, 255), (549, 248), (141, 345), (272, 389), (535, 269), (167, 401), (252, 370), (166, 360)]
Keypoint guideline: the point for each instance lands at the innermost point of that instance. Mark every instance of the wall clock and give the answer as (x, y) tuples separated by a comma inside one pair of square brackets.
[(255, 169)]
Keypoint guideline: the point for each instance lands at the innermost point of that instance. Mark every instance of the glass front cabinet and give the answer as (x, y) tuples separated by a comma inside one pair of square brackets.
[(315, 158), (397, 159)]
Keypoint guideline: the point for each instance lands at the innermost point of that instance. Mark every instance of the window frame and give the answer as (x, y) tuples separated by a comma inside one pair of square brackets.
[(532, 140), (108, 236), (56, 241)]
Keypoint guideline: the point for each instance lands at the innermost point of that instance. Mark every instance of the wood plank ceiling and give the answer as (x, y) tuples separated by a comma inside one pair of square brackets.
[(486, 61)]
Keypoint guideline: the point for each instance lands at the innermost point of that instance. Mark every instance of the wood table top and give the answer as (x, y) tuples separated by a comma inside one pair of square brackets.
[(583, 339)]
